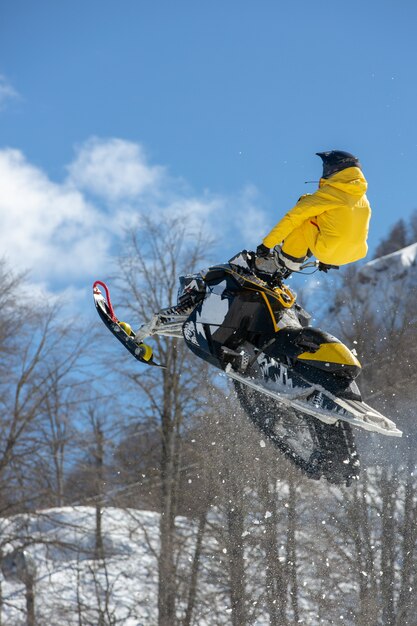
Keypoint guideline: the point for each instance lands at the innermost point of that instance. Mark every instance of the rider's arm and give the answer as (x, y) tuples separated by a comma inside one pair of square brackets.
[(308, 206)]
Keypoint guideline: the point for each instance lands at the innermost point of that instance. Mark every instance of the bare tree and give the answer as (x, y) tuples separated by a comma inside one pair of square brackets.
[(396, 239), (276, 573), (40, 357), (373, 527), (154, 258)]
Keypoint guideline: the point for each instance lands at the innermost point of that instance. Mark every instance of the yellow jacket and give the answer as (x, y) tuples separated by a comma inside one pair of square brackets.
[(334, 220)]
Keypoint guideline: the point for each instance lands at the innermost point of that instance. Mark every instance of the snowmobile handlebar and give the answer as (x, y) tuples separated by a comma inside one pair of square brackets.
[(322, 267), (318, 265), (271, 268)]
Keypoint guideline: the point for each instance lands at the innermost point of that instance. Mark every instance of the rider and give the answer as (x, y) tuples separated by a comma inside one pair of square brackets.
[(331, 224)]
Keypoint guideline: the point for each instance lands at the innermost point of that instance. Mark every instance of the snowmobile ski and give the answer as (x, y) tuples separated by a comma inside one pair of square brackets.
[(120, 330), (324, 406)]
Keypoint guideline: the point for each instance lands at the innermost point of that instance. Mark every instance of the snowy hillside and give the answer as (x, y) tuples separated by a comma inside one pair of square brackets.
[(391, 278), (72, 587), (70, 582), (395, 268)]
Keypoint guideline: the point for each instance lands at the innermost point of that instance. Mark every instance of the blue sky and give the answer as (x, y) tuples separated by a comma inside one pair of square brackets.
[(109, 108)]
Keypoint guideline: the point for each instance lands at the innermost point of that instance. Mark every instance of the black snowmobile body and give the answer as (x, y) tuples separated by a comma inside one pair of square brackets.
[(243, 324), (237, 310)]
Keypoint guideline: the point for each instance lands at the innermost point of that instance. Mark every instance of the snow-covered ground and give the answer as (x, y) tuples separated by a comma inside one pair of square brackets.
[(70, 582), (394, 267), (392, 281), (72, 587)]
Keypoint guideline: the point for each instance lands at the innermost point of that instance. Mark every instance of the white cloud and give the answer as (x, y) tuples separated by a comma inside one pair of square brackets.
[(233, 221), (200, 214), (7, 92), (118, 172), (65, 232), (114, 169), (47, 228)]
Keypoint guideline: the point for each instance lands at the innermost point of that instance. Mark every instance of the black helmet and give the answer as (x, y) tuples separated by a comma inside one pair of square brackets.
[(337, 160)]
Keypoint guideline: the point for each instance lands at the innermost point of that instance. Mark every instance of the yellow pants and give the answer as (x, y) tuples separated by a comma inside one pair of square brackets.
[(295, 246)]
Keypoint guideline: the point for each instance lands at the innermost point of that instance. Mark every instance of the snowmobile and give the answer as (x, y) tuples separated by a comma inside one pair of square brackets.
[(295, 382)]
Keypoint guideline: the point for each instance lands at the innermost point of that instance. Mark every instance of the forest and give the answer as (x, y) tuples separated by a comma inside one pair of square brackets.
[(239, 537)]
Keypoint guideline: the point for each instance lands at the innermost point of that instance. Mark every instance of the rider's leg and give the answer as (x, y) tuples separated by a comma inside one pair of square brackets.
[(294, 250)]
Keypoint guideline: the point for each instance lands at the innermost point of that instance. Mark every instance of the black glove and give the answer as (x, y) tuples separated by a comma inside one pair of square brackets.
[(323, 267), (262, 251)]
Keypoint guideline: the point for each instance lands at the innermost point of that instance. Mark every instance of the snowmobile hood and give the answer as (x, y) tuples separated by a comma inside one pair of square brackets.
[(350, 180)]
